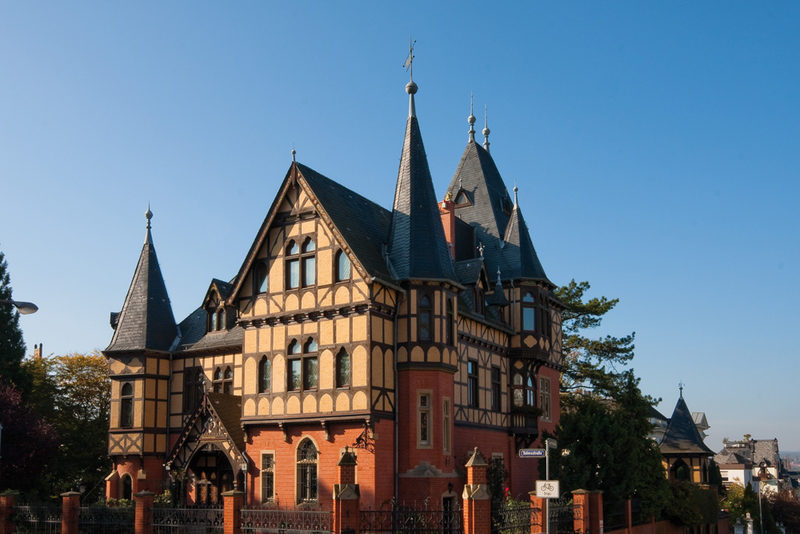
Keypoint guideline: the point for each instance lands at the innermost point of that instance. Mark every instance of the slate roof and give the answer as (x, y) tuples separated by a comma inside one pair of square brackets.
[(499, 225), (766, 450), (468, 272), (682, 436), (194, 335), (417, 247), (229, 410), (363, 223), (146, 321), (728, 457)]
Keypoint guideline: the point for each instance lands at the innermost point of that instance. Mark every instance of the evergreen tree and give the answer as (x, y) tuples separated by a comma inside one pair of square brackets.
[(591, 364), (12, 347)]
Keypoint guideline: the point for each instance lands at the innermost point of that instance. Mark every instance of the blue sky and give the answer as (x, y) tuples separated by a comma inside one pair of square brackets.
[(654, 146)]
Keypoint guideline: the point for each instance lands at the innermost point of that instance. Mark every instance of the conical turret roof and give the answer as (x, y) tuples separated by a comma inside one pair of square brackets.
[(146, 321), (521, 260), (682, 435)]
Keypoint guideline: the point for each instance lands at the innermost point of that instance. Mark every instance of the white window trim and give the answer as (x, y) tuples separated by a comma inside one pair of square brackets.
[(261, 474), (429, 443)]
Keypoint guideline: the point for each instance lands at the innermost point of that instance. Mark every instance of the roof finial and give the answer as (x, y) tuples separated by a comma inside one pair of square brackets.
[(148, 215), (471, 121), (486, 129), (294, 153), (516, 199), (680, 387), (480, 248), (411, 87)]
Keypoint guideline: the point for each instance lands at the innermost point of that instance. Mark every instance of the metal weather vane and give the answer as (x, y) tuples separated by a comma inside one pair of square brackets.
[(408, 64)]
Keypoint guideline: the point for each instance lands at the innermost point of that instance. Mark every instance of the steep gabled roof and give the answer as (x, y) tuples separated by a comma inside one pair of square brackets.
[(417, 247), (146, 321), (521, 260), (682, 436)]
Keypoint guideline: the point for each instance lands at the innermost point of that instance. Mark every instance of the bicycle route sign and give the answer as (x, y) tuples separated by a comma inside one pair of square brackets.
[(531, 453), (547, 489)]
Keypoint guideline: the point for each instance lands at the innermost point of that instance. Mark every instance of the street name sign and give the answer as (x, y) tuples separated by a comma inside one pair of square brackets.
[(531, 453), (547, 489)]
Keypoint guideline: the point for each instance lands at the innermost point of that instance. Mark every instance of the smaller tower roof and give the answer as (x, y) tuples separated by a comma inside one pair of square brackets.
[(521, 258), (146, 321), (682, 436)]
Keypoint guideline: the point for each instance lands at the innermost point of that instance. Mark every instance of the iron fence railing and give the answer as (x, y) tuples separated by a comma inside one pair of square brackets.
[(37, 519), (515, 519), (416, 521), (563, 513), (106, 520), (286, 521), (187, 520)]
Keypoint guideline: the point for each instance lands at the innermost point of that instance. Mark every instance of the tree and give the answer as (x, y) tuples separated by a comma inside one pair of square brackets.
[(28, 442), (12, 346), (786, 509), (591, 364), (606, 447), (73, 393)]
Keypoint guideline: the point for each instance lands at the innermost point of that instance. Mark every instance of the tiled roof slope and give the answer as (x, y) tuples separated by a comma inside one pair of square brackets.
[(363, 224), (766, 450), (146, 321), (417, 247), (681, 435), (520, 257), (195, 337)]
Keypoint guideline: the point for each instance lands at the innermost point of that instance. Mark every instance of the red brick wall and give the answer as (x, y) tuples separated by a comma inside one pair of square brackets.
[(153, 468)]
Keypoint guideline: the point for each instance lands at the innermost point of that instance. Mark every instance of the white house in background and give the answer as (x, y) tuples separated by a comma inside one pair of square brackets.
[(755, 461)]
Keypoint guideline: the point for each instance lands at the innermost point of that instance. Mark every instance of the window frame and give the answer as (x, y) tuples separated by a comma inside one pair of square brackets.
[(338, 266), (545, 398), (497, 388), (425, 317), (307, 473), (342, 356), (473, 384), (447, 418), (126, 405), (304, 357), (264, 375), (260, 268), (529, 307), (424, 419), (450, 328), (267, 475)]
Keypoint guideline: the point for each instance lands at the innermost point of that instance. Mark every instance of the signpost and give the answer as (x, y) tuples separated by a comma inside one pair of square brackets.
[(545, 489), (532, 453)]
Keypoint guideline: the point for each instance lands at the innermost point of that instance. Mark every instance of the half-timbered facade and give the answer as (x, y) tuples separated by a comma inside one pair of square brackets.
[(408, 335)]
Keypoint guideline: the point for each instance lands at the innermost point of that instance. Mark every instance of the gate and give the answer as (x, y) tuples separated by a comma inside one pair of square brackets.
[(187, 520), (37, 519), (106, 520), (278, 521), (563, 513)]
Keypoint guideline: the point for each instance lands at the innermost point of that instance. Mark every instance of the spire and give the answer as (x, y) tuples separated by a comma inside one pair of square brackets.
[(681, 435), (519, 253), (411, 87), (146, 321), (516, 198), (485, 130), (471, 121), (417, 247)]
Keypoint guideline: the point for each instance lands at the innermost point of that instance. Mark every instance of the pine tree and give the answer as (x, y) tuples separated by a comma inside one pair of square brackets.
[(12, 347)]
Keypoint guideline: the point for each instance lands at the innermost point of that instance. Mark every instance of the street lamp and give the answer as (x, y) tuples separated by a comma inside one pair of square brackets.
[(24, 307)]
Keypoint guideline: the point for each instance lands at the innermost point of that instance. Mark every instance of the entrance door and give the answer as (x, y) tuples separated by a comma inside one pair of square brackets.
[(213, 476)]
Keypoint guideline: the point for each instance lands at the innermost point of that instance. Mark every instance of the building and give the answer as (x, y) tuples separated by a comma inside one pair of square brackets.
[(685, 456), (752, 461), (409, 336)]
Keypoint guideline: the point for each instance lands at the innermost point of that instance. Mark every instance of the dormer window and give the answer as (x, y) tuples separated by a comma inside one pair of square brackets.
[(462, 199)]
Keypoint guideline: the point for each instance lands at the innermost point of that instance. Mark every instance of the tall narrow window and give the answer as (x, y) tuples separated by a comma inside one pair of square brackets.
[(306, 471), (220, 319), (310, 365), (217, 382), (212, 319), (227, 381), (425, 318), (528, 313), (530, 392), (424, 420), (519, 391), (267, 477), (496, 388), (126, 406), (264, 375), (309, 263), (451, 323), (303, 371), (446, 425), (260, 278), (342, 369), (342, 266), (472, 383), (292, 265), (544, 397), (295, 374)]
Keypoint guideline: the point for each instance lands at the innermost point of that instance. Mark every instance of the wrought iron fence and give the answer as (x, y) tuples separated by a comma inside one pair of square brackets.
[(286, 521), (106, 520), (187, 520), (37, 519), (613, 515), (418, 521), (563, 513), (515, 518)]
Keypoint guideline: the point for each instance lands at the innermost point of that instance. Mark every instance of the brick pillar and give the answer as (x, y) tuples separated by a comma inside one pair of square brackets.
[(539, 518), (476, 496), (596, 509), (70, 512), (143, 520), (232, 511), (580, 505), (346, 497), (8, 500), (628, 515)]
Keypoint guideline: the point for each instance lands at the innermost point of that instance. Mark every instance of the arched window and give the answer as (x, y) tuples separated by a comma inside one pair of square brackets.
[(530, 392), (528, 313), (425, 318), (519, 394), (126, 406), (264, 375), (309, 263), (451, 323), (342, 369), (303, 372), (342, 266), (221, 319), (126, 489), (310, 365), (306, 471), (260, 278), (212, 320)]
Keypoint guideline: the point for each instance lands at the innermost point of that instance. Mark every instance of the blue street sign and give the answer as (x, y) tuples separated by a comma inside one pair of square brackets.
[(531, 453)]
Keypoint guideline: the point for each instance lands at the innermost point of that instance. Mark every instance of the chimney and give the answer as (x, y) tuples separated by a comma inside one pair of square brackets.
[(447, 211), (37, 351)]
